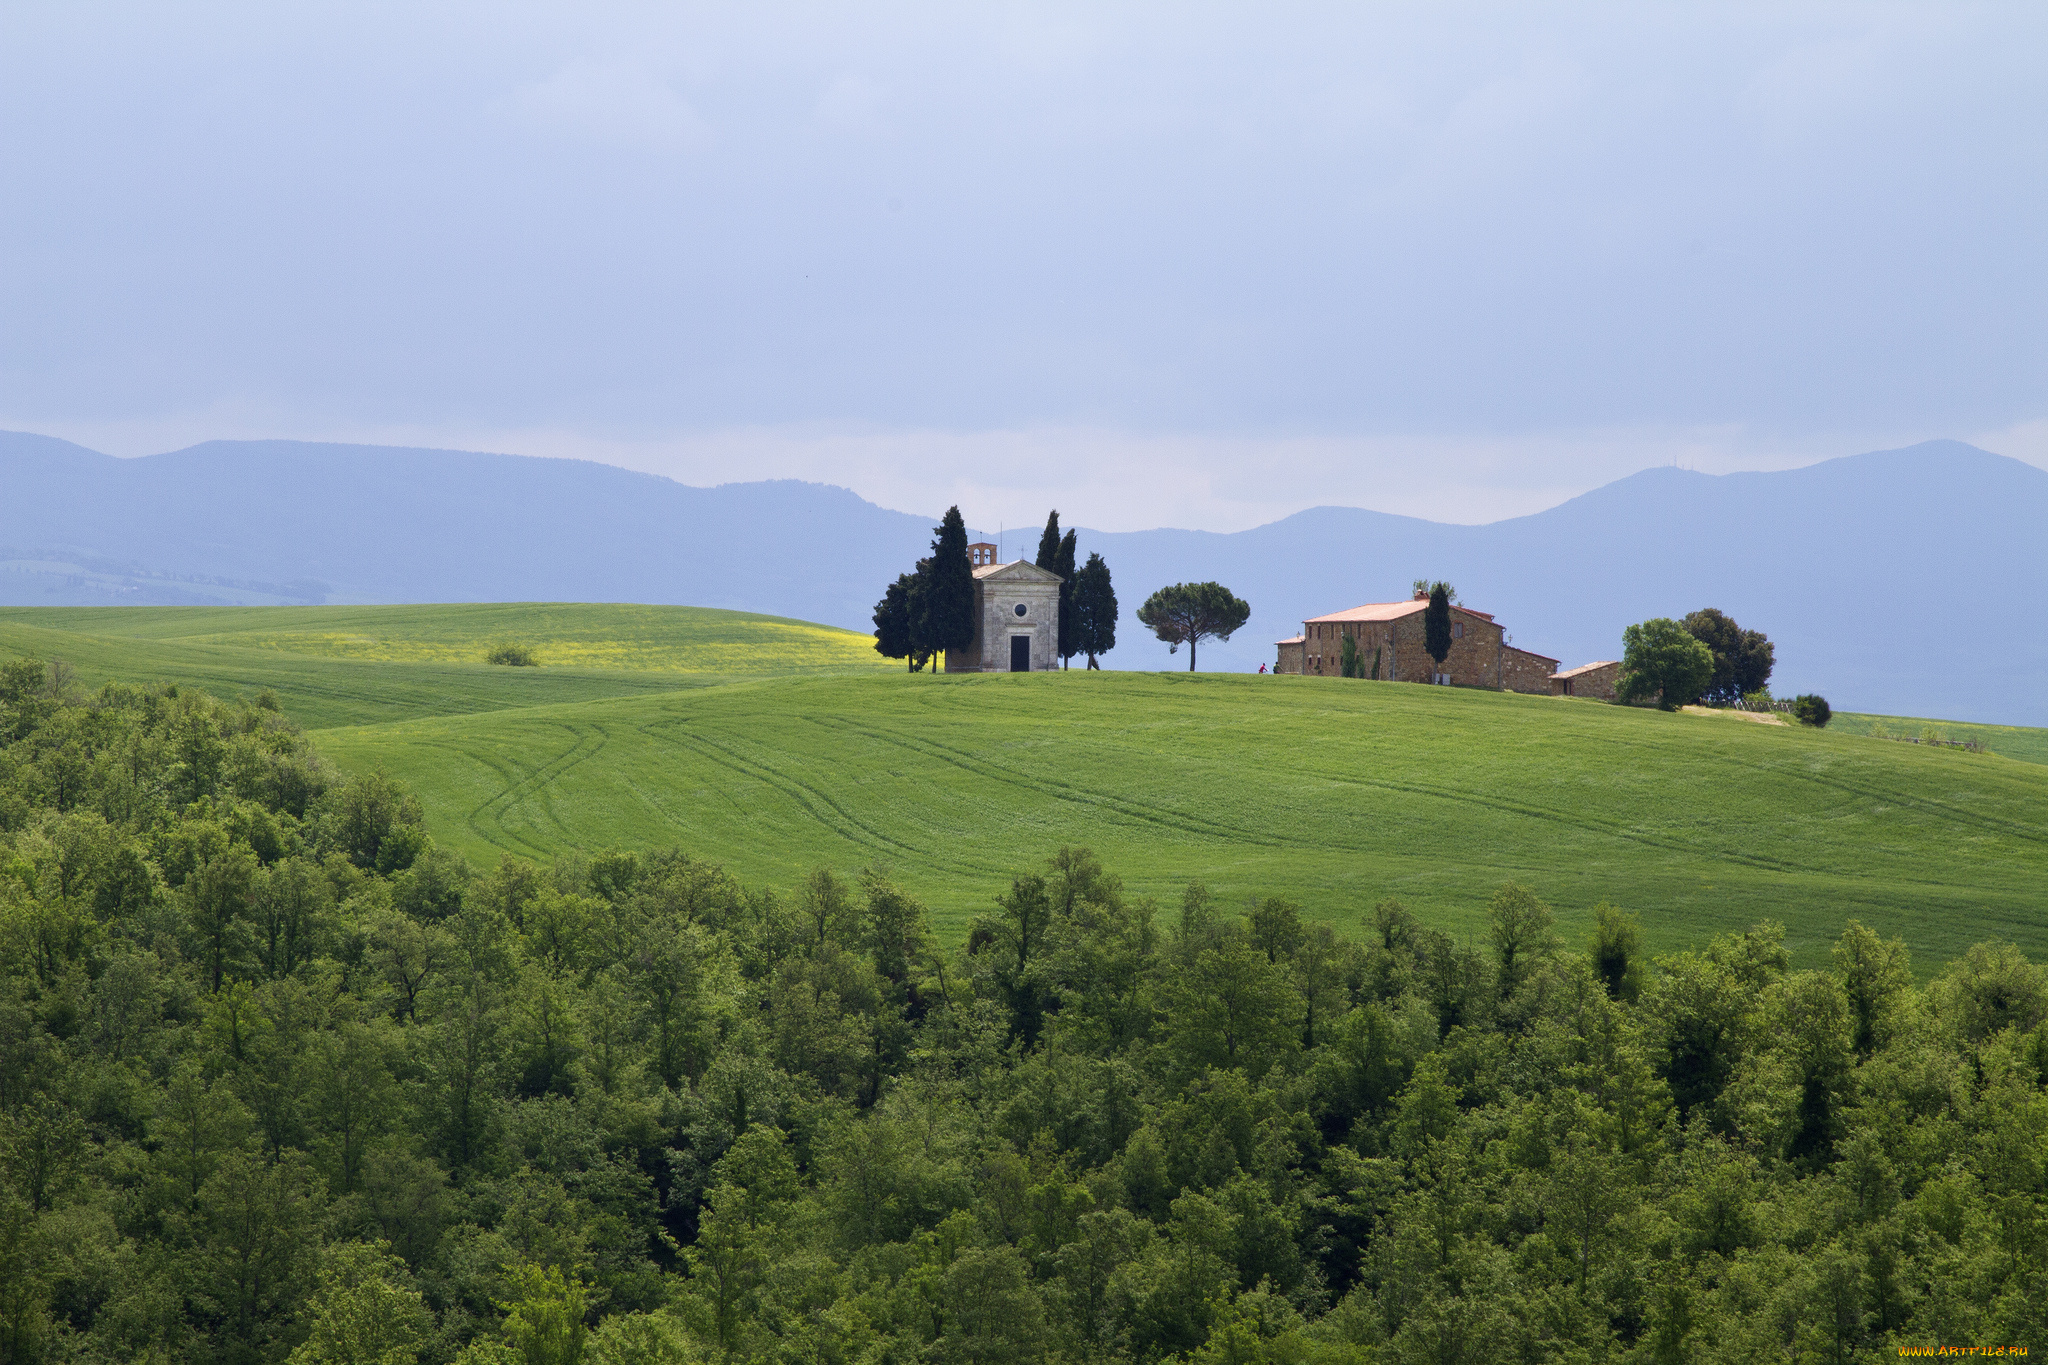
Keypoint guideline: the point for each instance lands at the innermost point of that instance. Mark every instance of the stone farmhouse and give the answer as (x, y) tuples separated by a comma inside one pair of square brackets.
[(1016, 617), (1480, 655)]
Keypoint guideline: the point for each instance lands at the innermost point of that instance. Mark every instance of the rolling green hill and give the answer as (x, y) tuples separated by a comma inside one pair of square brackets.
[(2024, 742), (1332, 793), (359, 665)]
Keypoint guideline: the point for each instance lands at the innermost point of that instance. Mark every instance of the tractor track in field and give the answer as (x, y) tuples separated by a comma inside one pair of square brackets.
[(1057, 788), (1938, 810), (811, 798), (539, 780), (1236, 834), (1603, 828), (948, 784), (497, 836), (1139, 813)]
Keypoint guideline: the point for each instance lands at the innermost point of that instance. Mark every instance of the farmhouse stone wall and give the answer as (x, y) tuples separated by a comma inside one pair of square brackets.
[(1321, 652), (1522, 670), (1474, 659), (1479, 657)]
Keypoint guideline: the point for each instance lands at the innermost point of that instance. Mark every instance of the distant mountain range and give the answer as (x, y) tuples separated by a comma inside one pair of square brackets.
[(1910, 582)]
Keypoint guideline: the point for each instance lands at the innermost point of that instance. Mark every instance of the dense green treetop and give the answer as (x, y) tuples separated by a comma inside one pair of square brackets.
[(1742, 658), (282, 1080), (1662, 661), (1189, 613)]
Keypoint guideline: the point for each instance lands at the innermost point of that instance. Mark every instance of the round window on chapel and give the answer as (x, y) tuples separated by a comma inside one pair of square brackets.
[(1020, 608)]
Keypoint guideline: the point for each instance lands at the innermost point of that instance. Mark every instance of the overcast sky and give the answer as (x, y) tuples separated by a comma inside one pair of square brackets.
[(1172, 264)]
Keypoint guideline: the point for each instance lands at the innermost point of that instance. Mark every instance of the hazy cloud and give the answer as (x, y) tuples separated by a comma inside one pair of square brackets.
[(615, 101), (1182, 263)]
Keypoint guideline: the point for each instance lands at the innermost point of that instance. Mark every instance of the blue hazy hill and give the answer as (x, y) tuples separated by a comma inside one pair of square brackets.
[(1908, 581)]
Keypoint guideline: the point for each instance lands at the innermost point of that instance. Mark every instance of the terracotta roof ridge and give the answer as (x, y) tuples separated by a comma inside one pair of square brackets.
[(1391, 611)]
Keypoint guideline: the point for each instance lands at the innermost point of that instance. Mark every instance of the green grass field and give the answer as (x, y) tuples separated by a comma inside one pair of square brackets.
[(1330, 792), (2011, 741), (360, 665)]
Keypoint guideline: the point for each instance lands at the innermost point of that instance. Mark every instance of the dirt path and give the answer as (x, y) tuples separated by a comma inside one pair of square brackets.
[(1759, 717)]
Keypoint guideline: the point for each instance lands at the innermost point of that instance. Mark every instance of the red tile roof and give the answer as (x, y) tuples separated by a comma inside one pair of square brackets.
[(1517, 649), (1293, 640), (1587, 668), (1387, 611)]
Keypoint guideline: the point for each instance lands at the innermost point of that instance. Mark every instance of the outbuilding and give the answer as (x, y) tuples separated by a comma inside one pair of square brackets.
[(1588, 680)]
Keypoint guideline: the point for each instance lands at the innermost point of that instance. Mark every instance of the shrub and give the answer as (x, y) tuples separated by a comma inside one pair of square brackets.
[(1811, 710), (512, 655)]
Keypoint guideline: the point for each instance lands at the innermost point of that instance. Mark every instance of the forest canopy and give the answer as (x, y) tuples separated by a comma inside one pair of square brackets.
[(283, 1080)]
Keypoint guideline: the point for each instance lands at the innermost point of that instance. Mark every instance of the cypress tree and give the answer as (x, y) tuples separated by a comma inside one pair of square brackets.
[(949, 595), (1049, 544), (1063, 565), (892, 620), (1094, 610), (1436, 623), (917, 611)]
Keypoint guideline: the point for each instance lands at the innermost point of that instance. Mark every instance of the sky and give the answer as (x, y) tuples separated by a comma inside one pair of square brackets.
[(1178, 264)]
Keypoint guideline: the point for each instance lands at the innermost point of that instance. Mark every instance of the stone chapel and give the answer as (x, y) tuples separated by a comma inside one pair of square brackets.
[(1016, 617)]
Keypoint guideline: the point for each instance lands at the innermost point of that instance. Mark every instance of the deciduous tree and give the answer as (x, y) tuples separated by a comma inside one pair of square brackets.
[(1617, 951), (1742, 658), (1518, 924), (1660, 659), (217, 899), (365, 1311), (1875, 973)]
